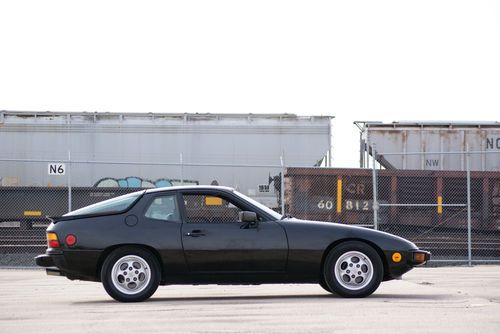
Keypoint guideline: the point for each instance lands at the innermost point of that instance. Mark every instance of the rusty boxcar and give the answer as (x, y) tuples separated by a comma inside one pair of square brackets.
[(346, 196)]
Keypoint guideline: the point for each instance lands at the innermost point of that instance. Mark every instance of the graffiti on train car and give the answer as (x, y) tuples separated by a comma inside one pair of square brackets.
[(138, 182)]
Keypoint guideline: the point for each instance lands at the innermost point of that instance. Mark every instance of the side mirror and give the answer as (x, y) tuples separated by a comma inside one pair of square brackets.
[(248, 217)]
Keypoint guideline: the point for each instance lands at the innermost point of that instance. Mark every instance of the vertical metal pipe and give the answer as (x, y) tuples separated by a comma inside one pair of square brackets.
[(441, 156), (330, 144), (463, 156), (367, 147), (282, 159), (422, 148), (182, 170), (405, 144), (69, 181), (361, 151), (375, 188), (469, 223), (483, 149)]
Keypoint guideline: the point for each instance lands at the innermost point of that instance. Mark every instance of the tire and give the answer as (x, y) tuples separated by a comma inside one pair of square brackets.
[(323, 284), (353, 269), (130, 274)]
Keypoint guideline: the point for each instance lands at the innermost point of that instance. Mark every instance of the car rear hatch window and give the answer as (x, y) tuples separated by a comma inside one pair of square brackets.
[(113, 205)]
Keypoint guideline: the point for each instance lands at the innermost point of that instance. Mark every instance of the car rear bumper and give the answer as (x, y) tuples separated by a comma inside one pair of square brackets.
[(49, 262), (73, 265), (44, 260)]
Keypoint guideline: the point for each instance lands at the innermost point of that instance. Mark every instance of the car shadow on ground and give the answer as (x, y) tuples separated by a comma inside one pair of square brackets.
[(210, 299)]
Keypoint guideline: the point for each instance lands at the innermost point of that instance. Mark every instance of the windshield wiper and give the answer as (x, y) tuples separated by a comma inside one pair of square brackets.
[(286, 216)]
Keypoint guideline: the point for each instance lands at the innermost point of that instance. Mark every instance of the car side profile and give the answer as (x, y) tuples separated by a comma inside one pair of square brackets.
[(216, 235)]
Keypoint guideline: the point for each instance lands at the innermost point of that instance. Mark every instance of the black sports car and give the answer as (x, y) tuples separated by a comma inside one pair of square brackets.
[(207, 234)]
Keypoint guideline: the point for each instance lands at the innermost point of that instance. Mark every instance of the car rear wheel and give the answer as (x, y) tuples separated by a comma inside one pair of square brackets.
[(130, 274), (353, 269)]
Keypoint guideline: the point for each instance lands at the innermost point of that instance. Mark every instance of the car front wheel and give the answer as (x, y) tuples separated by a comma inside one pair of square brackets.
[(323, 284), (353, 269), (130, 274)]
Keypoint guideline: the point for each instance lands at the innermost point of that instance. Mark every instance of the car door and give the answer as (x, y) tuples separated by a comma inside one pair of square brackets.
[(215, 241), (160, 228)]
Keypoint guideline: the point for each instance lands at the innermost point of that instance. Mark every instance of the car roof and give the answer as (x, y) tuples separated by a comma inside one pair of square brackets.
[(202, 187)]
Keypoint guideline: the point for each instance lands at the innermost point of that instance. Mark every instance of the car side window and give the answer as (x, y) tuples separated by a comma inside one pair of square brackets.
[(204, 208), (163, 208)]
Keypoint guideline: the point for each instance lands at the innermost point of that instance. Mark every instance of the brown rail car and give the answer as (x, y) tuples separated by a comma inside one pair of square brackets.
[(346, 196)]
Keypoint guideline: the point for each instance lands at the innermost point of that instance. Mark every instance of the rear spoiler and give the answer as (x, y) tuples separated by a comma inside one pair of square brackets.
[(52, 219)]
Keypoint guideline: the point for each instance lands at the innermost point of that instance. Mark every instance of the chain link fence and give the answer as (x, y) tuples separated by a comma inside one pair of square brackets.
[(455, 214), (33, 190), (452, 213)]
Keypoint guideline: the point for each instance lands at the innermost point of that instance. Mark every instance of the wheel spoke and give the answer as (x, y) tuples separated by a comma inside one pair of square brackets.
[(130, 274), (353, 270)]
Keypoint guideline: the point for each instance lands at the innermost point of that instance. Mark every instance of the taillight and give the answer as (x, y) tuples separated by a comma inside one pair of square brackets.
[(70, 240), (52, 240)]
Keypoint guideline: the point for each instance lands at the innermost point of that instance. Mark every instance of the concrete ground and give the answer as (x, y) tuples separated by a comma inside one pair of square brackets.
[(427, 300)]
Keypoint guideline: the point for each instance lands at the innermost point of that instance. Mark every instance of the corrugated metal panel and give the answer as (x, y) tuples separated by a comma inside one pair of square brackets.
[(434, 139), (201, 138)]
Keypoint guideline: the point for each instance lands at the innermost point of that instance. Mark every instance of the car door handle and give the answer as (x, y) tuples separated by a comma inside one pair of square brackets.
[(195, 233)]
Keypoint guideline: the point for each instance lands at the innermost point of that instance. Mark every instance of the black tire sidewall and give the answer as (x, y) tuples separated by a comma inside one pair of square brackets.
[(325, 286), (339, 250), (118, 254)]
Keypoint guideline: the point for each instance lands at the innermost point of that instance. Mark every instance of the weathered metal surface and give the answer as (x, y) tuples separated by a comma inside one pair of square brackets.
[(312, 193), (397, 145)]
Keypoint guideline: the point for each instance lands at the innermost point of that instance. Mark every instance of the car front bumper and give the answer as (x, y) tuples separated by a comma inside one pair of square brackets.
[(418, 257), (400, 262)]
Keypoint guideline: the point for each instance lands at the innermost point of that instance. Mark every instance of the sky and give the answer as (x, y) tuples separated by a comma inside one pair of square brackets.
[(354, 60)]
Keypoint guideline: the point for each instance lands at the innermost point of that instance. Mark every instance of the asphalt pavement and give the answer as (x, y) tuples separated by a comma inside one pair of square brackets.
[(427, 300)]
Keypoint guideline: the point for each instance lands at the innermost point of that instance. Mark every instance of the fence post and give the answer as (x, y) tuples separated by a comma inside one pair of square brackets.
[(375, 189), (469, 223), (282, 186), (69, 181)]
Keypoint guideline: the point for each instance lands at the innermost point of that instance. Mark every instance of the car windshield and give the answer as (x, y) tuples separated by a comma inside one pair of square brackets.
[(112, 205), (271, 212)]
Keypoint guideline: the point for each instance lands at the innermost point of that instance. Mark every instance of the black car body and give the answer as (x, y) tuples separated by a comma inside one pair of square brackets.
[(207, 234)]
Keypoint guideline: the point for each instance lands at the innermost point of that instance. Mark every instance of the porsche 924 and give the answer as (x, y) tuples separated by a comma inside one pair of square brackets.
[(216, 235)]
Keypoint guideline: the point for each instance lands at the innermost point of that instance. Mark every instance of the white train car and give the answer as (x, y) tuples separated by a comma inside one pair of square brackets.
[(424, 145), (153, 149)]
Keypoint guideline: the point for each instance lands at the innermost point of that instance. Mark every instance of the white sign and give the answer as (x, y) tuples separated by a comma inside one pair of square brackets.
[(57, 169)]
